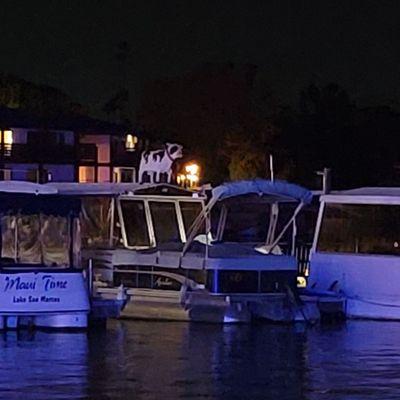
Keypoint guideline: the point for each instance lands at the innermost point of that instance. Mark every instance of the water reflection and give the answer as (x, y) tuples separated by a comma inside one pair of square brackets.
[(154, 360), (358, 361), (43, 366), (254, 362), (177, 360)]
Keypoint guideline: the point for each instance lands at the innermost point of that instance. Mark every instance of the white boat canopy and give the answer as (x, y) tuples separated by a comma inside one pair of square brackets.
[(365, 195), (26, 188), (106, 189)]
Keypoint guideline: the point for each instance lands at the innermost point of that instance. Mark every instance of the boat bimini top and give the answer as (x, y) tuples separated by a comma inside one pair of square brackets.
[(280, 190), (260, 191)]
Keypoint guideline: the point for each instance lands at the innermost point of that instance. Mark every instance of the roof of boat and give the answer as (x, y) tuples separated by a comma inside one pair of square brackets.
[(279, 190), (21, 187), (110, 189), (365, 195)]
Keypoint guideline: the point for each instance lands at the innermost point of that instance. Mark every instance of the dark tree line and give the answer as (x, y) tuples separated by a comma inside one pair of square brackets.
[(41, 100), (360, 145), (228, 119)]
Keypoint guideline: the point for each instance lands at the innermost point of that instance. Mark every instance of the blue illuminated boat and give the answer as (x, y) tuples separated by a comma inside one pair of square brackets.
[(356, 252), (182, 255)]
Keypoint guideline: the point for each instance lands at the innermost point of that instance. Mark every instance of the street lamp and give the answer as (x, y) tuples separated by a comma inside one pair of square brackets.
[(190, 177), (192, 174)]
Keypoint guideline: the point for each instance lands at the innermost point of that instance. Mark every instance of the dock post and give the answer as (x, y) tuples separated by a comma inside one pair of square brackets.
[(90, 277)]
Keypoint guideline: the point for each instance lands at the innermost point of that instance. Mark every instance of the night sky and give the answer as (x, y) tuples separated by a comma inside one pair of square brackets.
[(72, 44)]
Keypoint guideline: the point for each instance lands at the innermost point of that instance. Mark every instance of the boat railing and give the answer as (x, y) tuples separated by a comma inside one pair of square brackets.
[(302, 254)]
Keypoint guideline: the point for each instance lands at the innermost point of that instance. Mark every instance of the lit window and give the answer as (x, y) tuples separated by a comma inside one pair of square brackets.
[(86, 174), (8, 137), (6, 140), (103, 174), (103, 153), (130, 142)]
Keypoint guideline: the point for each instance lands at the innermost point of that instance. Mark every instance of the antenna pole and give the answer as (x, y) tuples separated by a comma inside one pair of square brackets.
[(271, 167)]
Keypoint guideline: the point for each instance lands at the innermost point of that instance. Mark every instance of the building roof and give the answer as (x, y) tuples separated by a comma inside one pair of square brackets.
[(16, 118)]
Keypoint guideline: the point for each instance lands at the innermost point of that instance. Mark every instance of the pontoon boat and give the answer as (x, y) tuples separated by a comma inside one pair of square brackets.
[(184, 257)]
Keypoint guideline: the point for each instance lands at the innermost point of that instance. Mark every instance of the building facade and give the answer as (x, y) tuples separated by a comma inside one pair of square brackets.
[(66, 149)]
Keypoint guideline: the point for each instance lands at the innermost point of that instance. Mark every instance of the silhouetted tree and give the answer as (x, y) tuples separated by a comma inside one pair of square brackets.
[(42, 100), (212, 112)]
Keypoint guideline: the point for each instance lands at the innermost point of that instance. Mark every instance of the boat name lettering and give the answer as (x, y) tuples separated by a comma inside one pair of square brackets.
[(19, 284), (51, 283), (35, 299)]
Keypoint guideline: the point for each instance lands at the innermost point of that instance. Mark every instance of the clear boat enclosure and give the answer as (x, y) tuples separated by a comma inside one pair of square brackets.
[(133, 216), (39, 229), (132, 227), (157, 220), (356, 248)]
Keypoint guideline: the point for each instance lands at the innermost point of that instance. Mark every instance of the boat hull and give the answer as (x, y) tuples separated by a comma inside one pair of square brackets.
[(368, 283), (203, 306), (45, 299)]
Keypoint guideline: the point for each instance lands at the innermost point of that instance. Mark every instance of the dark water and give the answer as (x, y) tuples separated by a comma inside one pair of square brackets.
[(154, 360)]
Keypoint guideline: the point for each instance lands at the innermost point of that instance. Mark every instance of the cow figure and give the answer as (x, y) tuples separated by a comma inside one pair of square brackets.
[(157, 162)]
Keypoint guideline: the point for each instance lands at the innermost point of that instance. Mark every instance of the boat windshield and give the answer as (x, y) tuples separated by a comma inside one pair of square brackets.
[(190, 210), (165, 221), (360, 228), (135, 223), (151, 222), (244, 222)]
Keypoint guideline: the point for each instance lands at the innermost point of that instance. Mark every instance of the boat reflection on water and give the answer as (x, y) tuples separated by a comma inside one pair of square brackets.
[(40, 365), (249, 362), (161, 360), (158, 360)]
